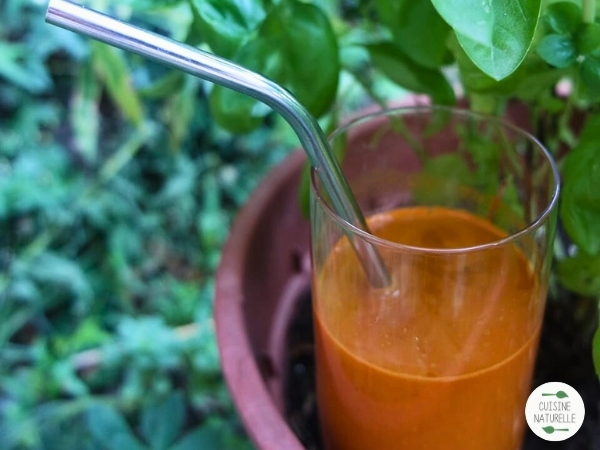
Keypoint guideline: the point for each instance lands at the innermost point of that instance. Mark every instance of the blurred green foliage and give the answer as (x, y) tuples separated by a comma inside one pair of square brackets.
[(117, 190)]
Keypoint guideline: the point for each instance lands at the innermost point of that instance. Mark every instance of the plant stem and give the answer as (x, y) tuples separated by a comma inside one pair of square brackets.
[(589, 11)]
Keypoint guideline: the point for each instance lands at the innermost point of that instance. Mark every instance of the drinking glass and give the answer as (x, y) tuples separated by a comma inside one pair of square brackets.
[(462, 210)]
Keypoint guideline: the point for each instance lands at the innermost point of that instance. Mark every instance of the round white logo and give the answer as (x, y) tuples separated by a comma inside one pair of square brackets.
[(554, 411)]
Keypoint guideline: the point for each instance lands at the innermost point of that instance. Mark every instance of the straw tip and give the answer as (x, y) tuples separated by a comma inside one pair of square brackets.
[(54, 8)]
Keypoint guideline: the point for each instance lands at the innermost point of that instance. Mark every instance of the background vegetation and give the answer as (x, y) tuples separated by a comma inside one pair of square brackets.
[(117, 190)]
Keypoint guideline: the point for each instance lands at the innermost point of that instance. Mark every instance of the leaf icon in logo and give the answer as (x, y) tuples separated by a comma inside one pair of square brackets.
[(559, 394), (550, 429)]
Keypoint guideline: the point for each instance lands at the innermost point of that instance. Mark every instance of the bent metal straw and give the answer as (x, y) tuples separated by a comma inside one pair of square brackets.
[(207, 66)]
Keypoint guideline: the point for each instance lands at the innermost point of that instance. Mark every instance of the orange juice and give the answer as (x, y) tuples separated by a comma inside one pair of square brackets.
[(441, 359)]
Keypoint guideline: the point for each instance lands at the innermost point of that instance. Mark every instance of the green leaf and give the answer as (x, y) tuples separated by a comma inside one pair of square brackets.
[(563, 17), (171, 83), (307, 58), (65, 275), (109, 429), (558, 51), (35, 182), (580, 207), (202, 437), (401, 70), (162, 422), (111, 66), (181, 109), (180, 184), (226, 25), (297, 48), (84, 115), (19, 66), (125, 152), (495, 34), (587, 38), (475, 80), (596, 351), (88, 334), (539, 79), (212, 228), (65, 376), (580, 274), (589, 72), (215, 433), (408, 20)]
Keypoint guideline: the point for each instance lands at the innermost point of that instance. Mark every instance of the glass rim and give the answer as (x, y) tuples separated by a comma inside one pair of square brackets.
[(421, 110)]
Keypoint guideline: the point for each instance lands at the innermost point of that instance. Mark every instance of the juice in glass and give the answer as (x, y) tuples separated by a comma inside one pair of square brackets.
[(430, 362), (461, 210)]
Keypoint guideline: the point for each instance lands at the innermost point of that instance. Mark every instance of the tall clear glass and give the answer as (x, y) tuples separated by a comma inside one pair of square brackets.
[(462, 209)]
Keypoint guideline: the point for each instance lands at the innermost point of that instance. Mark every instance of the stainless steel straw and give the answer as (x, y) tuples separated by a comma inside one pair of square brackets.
[(204, 65)]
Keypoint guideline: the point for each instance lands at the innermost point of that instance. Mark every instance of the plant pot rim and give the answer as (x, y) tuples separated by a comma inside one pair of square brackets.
[(262, 419)]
